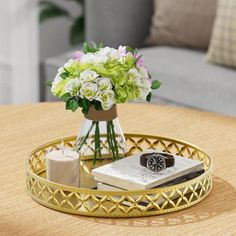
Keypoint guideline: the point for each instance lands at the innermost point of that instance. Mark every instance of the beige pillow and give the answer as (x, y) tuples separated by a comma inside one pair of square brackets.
[(182, 23), (222, 49)]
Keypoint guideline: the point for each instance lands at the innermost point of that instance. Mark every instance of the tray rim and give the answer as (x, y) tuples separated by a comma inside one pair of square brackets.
[(122, 193)]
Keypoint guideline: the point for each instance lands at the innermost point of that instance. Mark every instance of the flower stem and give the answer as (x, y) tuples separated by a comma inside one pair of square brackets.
[(109, 140), (86, 137), (114, 140), (97, 149)]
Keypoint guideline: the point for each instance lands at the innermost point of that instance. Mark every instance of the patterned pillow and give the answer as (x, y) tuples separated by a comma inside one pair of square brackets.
[(222, 49), (186, 23)]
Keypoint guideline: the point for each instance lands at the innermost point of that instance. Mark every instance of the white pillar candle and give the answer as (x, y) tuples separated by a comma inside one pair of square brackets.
[(62, 166)]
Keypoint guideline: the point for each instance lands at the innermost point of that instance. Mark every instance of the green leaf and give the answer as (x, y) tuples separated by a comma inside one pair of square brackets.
[(155, 84), (72, 105), (98, 105), (85, 105), (94, 45), (85, 47), (132, 50), (149, 97), (149, 76), (64, 75), (48, 83), (101, 45), (50, 10), (66, 97), (93, 48), (77, 30)]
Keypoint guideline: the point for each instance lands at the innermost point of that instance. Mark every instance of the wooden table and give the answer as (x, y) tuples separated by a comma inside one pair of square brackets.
[(23, 128)]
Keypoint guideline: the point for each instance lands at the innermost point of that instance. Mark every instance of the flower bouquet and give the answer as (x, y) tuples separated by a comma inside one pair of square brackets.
[(96, 80)]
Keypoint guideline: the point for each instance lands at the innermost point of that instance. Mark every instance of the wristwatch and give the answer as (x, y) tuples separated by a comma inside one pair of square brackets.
[(157, 161)]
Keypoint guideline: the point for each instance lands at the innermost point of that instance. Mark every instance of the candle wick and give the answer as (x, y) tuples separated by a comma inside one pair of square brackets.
[(62, 147), (69, 156)]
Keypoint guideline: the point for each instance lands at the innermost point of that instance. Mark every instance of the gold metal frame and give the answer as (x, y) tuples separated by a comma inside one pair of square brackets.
[(91, 202)]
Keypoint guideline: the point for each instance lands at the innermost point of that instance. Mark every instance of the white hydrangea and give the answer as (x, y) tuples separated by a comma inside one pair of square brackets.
[(134, 74), (111, 53), (56, 81), (88, 76), (104, 83), (144, 88), (89, 91), (69, 63), (94, 58), (138, 73), (73, 86), (142, 71), (61, 70), (107, 99)]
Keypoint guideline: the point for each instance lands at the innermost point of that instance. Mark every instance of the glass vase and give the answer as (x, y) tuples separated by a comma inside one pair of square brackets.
[(101, 139)]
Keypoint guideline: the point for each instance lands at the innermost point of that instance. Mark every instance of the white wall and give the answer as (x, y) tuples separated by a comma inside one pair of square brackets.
[(19, 52), (23, 44)]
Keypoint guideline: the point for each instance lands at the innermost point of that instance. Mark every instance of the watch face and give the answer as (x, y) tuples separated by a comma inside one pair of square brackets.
[(156, 163)]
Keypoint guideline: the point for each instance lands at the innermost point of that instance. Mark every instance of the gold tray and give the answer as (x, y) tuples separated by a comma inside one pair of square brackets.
[(91, 202)]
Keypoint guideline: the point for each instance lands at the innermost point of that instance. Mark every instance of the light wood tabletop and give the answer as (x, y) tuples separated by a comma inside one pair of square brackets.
[(24, 127)]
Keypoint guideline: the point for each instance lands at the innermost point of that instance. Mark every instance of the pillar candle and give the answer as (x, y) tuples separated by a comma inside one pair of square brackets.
[(62, 166)]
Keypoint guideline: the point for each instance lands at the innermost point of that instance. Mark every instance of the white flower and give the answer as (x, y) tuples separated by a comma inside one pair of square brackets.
[(88, 76), (69, 63), (110, 53), (87, 58), (100, 58), (122, 51), (104, 83), (89, 91), (142, 94), (56, 81), (73, 86), (134, 73), (107, 99), (144, 88), (61, 70), (105, 50), (146, 83), (142, 71), (114, 55), (94, 58)]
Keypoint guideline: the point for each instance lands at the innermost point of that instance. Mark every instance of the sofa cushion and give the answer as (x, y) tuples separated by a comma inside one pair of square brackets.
[(222, 48), (188, 80), (182, 23)]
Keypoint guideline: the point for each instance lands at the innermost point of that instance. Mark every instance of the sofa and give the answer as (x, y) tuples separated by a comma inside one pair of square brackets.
[(187, 79)]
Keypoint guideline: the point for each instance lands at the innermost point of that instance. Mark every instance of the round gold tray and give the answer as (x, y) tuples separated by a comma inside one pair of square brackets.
[(91, 202)]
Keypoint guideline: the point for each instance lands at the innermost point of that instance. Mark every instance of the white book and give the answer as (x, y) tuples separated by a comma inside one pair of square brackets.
[(144, 202), (127, 173)]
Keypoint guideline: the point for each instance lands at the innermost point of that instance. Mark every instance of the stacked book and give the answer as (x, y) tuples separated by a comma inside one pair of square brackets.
[(128, 174)]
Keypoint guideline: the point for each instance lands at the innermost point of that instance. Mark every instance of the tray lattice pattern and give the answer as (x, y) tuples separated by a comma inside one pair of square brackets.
[(123, 203)]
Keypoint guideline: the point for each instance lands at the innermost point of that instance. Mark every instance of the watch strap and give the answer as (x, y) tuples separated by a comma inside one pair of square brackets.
[(169, 159), (143, 159)]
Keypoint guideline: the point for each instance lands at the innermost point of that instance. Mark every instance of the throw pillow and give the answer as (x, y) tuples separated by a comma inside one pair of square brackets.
[(222, 49), (186, 23)]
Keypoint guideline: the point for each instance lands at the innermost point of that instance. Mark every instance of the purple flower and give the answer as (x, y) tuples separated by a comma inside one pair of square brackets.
[(77, 55), (122, 51), (140, 61)]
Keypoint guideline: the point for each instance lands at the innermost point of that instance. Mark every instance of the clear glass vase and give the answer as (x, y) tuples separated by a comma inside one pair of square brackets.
[(101, 139)]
